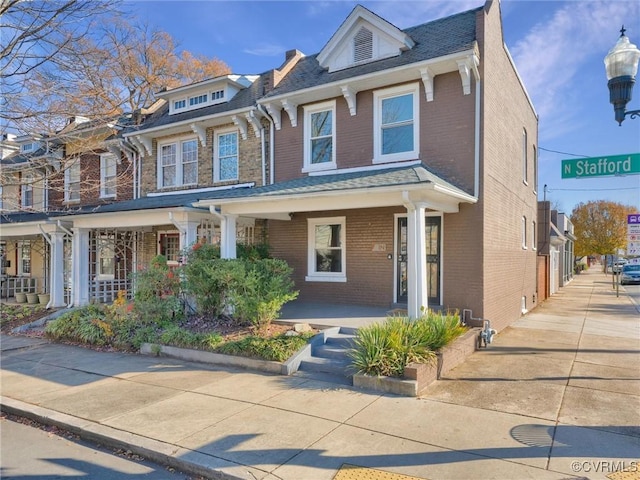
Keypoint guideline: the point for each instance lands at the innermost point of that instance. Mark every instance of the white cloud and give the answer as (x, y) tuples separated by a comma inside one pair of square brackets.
[(560, 60), (265, 50)]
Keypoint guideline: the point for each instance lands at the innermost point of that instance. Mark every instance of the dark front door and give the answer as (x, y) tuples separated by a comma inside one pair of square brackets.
[(432, 237)]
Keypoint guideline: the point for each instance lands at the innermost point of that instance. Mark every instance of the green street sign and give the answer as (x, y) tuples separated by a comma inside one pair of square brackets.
[(601, 166)]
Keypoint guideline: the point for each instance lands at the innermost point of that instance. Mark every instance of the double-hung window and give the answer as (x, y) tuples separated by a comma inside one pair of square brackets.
[(24, 258), (326, 250), (225, 165), (178, 163), (396, 124), (26, 190), (524, 233), (319, 136), (72, 181), (108, 170), (106, 253)]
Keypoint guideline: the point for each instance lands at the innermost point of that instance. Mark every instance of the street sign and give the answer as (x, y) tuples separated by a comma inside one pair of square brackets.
[(601, 166), (633, 234)]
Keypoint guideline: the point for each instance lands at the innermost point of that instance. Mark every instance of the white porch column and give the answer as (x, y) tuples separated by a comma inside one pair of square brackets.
[(56, 275), (416, 260), (228, 236), (80, 262), (188, 229)]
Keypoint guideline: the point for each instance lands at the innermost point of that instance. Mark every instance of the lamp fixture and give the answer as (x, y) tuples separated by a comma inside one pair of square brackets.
[(621, 64)]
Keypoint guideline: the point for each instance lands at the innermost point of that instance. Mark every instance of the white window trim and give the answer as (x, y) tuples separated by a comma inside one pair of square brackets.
[(312, 275), (103, 179), (525, 159), (524, 233), (308, 111), (179, 163), (27, 186), (534, 245), (67, 181), (22, 244), (172, 233), (378, 97), (216, 154), (99, 274)]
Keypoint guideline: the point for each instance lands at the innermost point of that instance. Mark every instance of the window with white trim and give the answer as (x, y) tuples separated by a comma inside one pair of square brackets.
[(178, 104), (24, 257), (326, 249), (535, 169), (72, 181), (534, 238), (26, 190), (170, 247), (525, 161), (319, 136), (178, 163), (198, 99), (396, 124), (106, 253), (108, 172), (524, 233), (27, 147), (225, 156)]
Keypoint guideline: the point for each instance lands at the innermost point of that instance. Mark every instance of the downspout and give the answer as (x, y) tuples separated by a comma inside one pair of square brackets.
[(70, 233), (476, 181), (271, 146), (46, 237)]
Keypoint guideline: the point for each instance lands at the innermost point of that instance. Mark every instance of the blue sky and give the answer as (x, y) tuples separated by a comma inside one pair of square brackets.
[(558, 48)]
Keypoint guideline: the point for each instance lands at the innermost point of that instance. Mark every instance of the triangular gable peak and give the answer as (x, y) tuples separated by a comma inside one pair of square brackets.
[(362, 38)]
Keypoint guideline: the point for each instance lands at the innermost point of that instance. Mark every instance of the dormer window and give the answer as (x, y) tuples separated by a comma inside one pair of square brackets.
[(363, 45), (217, 95), (197, 100), (178, 104), (27, 147)]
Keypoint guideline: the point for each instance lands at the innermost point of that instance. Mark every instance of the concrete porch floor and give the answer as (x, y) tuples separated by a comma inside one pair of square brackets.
[(335, 315)]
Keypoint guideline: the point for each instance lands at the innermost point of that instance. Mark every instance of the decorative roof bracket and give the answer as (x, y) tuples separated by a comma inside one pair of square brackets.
[(242, 125), (275, 114), (350, 96), (465, 67), (252, 116), (292, 110), (427, 79), (146, 143), (116, 151), (201, 132)]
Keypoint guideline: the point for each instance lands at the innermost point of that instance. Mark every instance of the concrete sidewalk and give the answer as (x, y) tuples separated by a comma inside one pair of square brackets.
[(555, 396)]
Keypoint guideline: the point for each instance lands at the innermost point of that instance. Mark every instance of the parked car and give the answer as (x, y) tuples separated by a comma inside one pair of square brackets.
[(630, 274), (618, 265)]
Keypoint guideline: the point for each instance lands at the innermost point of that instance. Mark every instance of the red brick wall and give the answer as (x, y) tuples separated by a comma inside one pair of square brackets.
[(509, 270), (369, 273)]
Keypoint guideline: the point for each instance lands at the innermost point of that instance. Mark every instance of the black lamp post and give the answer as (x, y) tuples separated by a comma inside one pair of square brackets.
[(621, 64)]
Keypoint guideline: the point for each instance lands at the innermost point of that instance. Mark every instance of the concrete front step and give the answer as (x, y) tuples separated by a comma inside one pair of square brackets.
[(344, 340), (329, 350), (333, 366)]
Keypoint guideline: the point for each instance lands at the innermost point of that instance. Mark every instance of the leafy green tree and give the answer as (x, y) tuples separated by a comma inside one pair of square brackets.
[(600, 227)]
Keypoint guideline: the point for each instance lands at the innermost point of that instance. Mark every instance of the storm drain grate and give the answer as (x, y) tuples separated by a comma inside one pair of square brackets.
[(354, 472)]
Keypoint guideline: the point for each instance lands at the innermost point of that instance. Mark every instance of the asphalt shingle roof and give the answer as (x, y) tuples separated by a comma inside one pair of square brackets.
[(444, 36)]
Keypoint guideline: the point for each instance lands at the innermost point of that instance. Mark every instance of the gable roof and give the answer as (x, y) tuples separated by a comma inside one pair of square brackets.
[(359, 15), (438, 38)]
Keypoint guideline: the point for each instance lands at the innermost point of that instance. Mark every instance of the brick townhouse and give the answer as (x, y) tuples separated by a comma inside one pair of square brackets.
[(393, 167)]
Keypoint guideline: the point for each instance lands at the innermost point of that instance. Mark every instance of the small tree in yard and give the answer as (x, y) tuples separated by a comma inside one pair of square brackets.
[(157, 291)]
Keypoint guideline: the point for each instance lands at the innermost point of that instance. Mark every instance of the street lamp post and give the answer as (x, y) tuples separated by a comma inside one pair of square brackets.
[(621, 64)]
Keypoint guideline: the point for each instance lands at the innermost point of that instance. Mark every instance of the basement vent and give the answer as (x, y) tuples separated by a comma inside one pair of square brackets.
[(363, 45)]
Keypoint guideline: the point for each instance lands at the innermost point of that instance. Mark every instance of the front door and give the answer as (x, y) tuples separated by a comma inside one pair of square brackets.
[(432, 237)]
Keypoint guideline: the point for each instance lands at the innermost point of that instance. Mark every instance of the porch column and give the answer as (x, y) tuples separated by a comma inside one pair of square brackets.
[(188, 230), (416, 260), (56, 275), (228, 236), (80, 266)]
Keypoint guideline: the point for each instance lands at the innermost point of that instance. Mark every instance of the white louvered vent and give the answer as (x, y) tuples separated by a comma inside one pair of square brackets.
[(363, 45)]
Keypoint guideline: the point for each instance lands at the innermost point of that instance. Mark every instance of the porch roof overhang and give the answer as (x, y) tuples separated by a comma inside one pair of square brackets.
[(359, 188), (31, 227)]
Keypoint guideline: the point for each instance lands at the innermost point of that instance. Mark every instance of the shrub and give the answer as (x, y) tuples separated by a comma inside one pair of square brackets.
[(157, 294), (180, 337), (86, 325), (387, 348), (264, 289), (277, 349)]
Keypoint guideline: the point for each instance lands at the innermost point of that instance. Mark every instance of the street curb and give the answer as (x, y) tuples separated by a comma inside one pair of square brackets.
[(159, 452)]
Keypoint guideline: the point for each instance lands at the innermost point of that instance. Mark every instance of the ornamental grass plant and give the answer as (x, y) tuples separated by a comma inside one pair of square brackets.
[(387, 348)]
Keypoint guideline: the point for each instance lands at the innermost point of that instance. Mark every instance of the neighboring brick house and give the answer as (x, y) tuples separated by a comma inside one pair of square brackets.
[(394, 167), (386, 134)]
